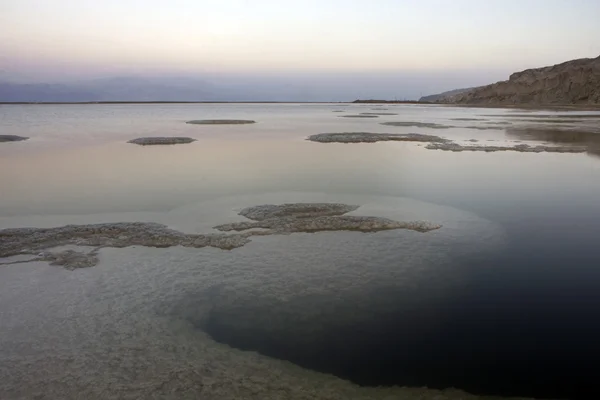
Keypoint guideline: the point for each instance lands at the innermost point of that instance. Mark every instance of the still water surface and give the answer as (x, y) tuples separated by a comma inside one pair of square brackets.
[(503, 300)]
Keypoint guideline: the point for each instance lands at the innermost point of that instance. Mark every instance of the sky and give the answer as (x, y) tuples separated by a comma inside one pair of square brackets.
[(474, 40)]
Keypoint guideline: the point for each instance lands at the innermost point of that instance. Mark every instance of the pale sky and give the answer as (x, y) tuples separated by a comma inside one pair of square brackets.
[(62, 38)]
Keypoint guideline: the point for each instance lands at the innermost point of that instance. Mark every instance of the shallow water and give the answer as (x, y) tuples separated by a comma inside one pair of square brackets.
[(502, 300)]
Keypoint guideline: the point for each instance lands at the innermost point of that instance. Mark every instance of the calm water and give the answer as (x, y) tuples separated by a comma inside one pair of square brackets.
[(503, 300)]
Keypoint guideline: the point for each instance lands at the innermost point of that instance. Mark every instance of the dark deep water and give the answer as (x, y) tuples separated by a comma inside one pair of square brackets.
[(525, 324)]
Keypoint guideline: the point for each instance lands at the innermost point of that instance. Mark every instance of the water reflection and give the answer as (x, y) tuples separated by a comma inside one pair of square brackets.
[(586, 138), (498, 301)]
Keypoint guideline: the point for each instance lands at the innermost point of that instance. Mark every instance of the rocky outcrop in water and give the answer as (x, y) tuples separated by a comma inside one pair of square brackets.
[(220, 122), (322, 224), (271, 219), (522, 148), (298, 210), (431, 125), (367, 137), (436, 143), (12, 138), (378, 113), (572, 82), (375, 101), (122, 234), (153, 141), (359, 116), (316, 217)]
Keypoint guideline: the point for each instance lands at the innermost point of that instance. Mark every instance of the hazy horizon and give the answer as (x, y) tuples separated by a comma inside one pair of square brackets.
[(388, 49)]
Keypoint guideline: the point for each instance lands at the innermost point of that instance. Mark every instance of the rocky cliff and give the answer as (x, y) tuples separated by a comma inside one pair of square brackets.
[(434, 98), (572, 82)]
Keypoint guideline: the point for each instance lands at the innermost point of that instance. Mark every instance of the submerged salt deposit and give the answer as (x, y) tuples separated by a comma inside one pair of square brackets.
[(148, 308), (273, 219)]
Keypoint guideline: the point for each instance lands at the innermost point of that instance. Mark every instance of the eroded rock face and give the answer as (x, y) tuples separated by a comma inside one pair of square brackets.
[(572, 82), (436, 98), (221, 122), (153, 141), (367, 137), (272, 219), (12, 138)]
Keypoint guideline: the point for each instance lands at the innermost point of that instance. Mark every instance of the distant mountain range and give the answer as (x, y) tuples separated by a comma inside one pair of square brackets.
[(119, 89), (157, 89), (276, 86), (571, 82)]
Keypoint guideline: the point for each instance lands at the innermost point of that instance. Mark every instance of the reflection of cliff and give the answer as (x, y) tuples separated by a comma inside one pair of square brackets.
[(591, 140), (594, 150), (553, 135)]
